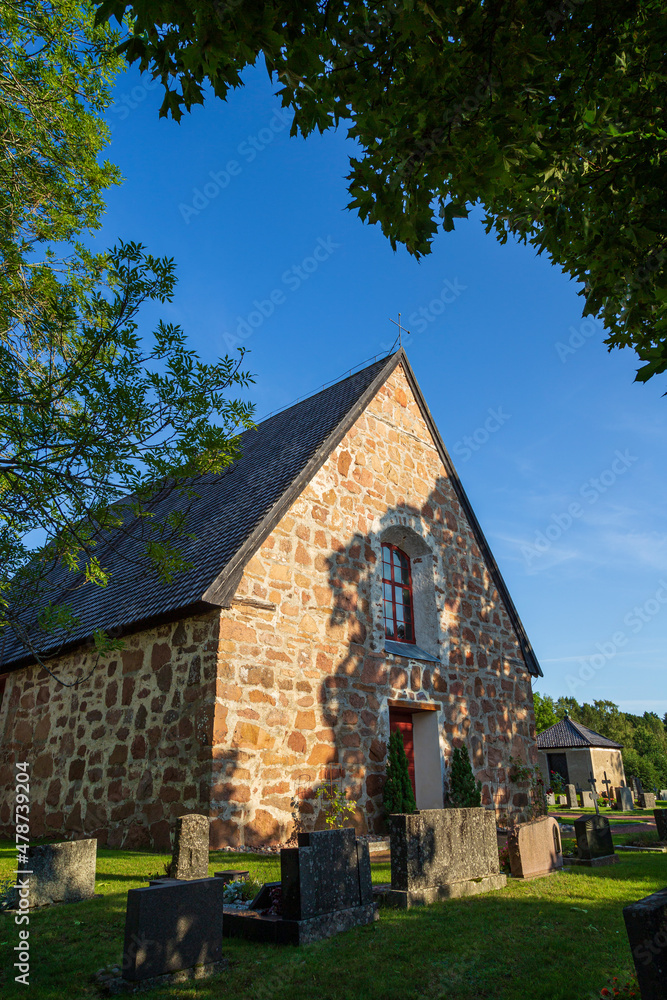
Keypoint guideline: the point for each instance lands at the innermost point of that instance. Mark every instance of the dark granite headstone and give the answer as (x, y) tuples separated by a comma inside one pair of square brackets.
[(324, 873), (646, 925), (593, 835), (61, 873), (171, 926), (661, 823), (190, 857), (325, 888), (571, 797), (647, 800)]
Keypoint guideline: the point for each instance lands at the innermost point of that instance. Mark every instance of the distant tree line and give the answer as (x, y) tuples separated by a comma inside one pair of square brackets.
[(644, 737)]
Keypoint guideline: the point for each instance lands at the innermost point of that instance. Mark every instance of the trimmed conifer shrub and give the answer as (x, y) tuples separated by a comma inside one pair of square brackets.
[(398, 794), (464, 792)]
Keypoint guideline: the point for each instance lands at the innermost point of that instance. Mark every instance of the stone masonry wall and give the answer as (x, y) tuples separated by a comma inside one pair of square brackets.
[(303, 679), (122, 755)]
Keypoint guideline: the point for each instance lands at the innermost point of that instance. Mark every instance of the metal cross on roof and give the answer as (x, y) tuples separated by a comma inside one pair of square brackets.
[(401, 329)]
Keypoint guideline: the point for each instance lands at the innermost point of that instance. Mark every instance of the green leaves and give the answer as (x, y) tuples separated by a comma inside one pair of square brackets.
[(551, 117)]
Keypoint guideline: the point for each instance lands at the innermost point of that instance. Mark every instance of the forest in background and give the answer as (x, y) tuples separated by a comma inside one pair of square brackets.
[(644, 737)]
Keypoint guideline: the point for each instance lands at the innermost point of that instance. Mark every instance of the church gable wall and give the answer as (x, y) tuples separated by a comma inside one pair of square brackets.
[(303, 678)]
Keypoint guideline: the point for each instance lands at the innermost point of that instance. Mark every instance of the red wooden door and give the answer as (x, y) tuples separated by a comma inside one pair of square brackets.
[(401, 720)]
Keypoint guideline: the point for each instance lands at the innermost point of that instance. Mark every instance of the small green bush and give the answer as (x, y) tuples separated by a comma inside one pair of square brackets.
[(464, 792), (398, 794)]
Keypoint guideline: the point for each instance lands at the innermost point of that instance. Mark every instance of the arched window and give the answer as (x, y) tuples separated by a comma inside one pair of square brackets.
[(397, 594)]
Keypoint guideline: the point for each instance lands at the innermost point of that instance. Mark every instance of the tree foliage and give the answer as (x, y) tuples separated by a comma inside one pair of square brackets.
[(464, 792), (398, 795), (550, 116), (96, 421)]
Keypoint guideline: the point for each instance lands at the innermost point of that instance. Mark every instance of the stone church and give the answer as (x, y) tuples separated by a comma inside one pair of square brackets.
[(341, 587)]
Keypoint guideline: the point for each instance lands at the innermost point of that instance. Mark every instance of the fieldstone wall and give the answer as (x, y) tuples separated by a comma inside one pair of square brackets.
[(122, 755), (303, 678)]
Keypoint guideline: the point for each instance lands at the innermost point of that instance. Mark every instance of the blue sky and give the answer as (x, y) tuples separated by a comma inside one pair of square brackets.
[(559, 451)]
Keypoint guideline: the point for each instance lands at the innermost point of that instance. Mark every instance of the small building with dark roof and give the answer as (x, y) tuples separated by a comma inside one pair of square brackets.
[(340, 588), (576, 752)]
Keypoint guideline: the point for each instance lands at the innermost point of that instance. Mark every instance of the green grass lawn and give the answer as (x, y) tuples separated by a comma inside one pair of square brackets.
[(558, 938)]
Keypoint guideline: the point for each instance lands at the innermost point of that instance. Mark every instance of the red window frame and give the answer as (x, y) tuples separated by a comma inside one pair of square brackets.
[(393, 588)]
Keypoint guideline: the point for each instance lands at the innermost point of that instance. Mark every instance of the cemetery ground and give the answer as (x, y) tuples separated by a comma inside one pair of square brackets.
[(560, 937)]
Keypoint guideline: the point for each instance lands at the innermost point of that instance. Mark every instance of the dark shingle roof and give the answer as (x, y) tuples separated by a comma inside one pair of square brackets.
[(568, 733), (229, 507), (233, 513)]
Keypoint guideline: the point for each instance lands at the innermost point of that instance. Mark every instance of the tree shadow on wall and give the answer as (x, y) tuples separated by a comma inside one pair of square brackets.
[(468, 682)]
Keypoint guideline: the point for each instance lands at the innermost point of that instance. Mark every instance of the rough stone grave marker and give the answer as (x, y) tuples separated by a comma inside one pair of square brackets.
[(571, 797), (663, 794), (594, 843), (646, 926), (535, 848), (173, 925), (190, 857), (441, 854), (661, 823), (326, 888), (647, 800), (61, 873), (587, 800), (551, 799)]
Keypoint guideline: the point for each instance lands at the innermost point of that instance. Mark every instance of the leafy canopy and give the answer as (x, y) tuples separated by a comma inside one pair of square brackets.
[(550, 116), (96, 421)]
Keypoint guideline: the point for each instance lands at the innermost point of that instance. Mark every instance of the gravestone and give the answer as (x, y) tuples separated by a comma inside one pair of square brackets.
[(190, 857), (661, 823), (561, 800), (571, 797), (441, 854), (647, 800), (663, 794), (551, 799), (325, 887), (594, 844), (535, 848), (587, 800), (172, 925), (624, 799), (60, 873), (646, 926)]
